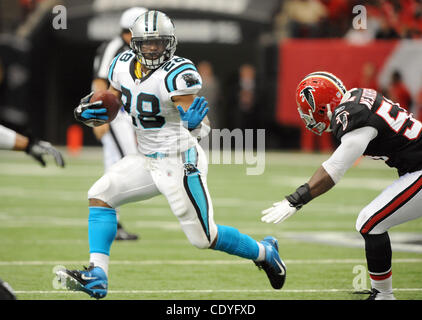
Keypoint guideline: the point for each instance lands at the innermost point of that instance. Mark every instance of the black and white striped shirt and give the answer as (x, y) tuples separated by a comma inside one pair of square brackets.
[(105, 55)]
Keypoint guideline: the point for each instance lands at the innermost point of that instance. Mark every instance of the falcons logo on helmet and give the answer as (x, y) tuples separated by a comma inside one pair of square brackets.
[(307, 95)]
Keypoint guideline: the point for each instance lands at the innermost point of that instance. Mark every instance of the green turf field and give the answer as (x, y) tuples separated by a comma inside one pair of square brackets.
[(43, 224)]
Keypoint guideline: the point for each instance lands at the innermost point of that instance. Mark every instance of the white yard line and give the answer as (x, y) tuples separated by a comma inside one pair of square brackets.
[(197, 262), (207, 291)]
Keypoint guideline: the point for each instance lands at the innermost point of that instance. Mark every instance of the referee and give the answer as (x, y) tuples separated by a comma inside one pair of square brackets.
[(118, 137)]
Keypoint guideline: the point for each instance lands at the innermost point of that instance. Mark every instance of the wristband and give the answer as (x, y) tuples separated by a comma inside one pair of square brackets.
[(301, 196)]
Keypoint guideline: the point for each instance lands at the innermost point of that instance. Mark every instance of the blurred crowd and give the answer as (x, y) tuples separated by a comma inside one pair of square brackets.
[(14, 12), (334, 18), (393, 19), (384, 20)]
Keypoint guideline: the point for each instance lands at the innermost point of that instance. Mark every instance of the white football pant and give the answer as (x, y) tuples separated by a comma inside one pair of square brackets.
[(119, 141), (139, 177), (398, 203)]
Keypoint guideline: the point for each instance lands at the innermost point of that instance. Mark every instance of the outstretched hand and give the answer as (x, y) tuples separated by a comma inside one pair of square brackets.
[(279, 212), (195, 114), (38, 148)]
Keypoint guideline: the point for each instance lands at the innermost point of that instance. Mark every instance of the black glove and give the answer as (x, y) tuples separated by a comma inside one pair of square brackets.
[(89, 113), (38, 148)]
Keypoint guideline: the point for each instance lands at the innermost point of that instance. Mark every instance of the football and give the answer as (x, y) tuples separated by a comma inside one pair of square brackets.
[(110, 102)]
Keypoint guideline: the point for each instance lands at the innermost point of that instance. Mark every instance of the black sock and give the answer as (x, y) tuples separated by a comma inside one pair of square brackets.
[(378, 252)]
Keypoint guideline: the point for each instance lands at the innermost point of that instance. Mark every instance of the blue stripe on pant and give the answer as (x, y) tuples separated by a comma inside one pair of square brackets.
[(196, 192), (195, 189)]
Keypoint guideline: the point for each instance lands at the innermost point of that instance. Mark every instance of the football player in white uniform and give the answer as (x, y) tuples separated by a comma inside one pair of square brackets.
[(158, 91), (366, 123), (11, 140), (117, 137)]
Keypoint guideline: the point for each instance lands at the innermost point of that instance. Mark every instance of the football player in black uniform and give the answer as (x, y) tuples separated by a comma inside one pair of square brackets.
[(365, 123)]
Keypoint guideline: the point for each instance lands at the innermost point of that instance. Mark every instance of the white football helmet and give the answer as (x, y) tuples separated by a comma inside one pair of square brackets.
[(153, 39)]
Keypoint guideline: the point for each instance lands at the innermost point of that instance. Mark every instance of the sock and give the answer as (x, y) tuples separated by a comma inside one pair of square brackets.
[(100, 260), (102, 227), (231, 241), (378, 256), (261, 255), (384, 285)]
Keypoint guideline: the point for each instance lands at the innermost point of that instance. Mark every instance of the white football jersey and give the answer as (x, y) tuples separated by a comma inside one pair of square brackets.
[(148, 101)]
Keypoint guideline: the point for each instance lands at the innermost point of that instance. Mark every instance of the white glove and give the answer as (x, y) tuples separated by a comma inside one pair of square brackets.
[(280, 211)]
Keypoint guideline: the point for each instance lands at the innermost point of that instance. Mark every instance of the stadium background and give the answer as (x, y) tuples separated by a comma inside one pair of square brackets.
[(45, 71)]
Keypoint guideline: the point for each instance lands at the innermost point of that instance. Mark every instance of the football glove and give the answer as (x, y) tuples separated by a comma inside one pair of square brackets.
[(89, 113), (195, 114), (38, 148), (279, 212)]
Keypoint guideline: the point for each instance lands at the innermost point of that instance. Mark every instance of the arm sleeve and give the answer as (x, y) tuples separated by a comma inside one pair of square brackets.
[(353, 145), (7, 138)]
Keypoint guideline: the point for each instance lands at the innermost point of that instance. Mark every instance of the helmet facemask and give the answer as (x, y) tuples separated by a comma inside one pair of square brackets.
[(311, 124), (165, 46), (153, 39)]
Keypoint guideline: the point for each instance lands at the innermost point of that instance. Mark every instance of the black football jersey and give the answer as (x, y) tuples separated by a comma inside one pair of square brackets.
[(399, 139)]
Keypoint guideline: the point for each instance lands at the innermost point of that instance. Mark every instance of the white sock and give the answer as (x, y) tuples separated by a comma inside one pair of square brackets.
[(100, 260), (261, 255), (383, 286)]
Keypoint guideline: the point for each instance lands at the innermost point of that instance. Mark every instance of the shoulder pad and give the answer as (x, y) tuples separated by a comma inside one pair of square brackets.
[(119, 62), (348, 117), (182, 76)]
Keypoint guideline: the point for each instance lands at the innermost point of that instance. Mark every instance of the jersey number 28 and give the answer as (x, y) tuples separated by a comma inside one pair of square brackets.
[(147, 110)]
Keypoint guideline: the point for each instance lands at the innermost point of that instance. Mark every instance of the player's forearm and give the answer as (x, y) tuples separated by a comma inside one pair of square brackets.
[(7, 138), (100, 131), (353, 145), (114, 91), (11, 140), (21, 142), (99, 85), (320, 182), (184, 101)]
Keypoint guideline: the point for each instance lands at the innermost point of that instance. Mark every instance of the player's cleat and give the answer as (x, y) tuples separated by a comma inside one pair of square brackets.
[(122, 234), (376, 295), (6, 291), (92, 281), (273, 266)]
